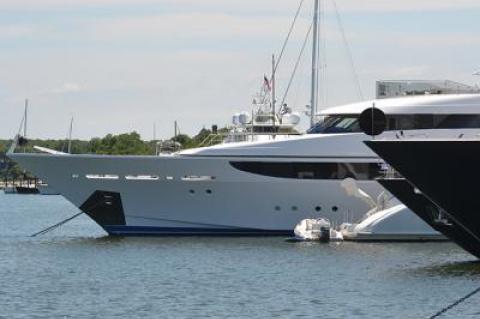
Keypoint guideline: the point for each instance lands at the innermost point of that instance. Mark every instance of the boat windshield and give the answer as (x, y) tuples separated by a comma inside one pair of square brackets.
[(336, 124)]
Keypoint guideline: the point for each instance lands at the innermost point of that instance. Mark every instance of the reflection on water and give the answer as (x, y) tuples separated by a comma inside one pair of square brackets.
[(77, 271), (455, 269)]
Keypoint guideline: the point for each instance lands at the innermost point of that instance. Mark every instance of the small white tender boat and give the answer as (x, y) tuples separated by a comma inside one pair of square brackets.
[(316, 230)]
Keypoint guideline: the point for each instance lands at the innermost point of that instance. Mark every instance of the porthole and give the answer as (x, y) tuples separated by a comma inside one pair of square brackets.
[(294, 208), (192, 191), (318, 208), (277, 208), (334, 208), (208, 191)]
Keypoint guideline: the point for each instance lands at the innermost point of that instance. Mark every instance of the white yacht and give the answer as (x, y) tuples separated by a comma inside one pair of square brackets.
[(248, 187), (254, 187)]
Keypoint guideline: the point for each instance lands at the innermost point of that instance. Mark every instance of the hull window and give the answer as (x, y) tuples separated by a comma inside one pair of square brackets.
[(101, 176), (142, 177), (197, 178), (359, 171)]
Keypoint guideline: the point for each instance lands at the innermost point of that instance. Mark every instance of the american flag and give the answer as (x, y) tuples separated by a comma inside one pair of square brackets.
[(266, 83)]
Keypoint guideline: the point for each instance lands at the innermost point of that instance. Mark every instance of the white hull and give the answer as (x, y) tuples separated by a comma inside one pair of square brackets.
[(396, 223), (231, 202)]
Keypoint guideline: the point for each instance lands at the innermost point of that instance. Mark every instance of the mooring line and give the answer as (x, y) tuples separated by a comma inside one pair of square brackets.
[(50, 228), (456, 303)]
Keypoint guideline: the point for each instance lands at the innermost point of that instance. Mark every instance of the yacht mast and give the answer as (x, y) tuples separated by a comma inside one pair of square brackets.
[(273, 90), (314, 88)]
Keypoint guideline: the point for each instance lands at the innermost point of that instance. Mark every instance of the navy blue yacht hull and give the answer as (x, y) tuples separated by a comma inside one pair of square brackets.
[(446, 173)]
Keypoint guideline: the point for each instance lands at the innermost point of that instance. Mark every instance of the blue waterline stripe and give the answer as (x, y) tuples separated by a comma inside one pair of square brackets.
[(183, 222), (159, 231)]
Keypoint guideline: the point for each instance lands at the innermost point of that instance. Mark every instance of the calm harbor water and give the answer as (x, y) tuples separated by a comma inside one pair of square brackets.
[(77, 271)]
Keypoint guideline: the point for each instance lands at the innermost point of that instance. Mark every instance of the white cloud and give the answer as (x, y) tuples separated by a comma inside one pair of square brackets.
[(252, 5), (406, 5), (67, 87), (16, 31), (192, 25)]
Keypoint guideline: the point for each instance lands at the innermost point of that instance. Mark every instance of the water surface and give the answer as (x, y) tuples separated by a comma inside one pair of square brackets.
[(77, 271)]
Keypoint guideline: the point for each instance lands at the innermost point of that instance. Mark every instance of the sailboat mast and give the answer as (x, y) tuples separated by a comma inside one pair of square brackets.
[(25, 119), (314, 88), (70, 136)]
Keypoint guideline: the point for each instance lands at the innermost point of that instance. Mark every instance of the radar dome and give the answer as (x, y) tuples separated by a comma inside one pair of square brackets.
[(291, 118), (244, 118), (236, 119)]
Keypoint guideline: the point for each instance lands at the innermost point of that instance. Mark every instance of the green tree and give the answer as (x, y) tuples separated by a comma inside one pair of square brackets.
[(122, 144)]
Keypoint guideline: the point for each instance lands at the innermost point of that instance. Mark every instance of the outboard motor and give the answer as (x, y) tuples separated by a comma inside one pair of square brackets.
[(324, 234)]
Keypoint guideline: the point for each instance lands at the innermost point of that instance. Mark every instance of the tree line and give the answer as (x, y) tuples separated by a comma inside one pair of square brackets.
[(121, 144)]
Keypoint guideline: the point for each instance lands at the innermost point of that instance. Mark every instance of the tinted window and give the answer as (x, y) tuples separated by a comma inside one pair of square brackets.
[(360, 171), (460, 121), (350, 123), (410, 122)]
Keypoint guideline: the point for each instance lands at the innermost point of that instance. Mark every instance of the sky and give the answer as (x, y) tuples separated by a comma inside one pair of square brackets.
[(122, 65)]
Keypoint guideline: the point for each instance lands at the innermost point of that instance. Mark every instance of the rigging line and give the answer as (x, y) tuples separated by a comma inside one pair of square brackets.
[(288, 36), (296, 65), (349, 52), (456, 303), (300, 83)]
